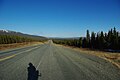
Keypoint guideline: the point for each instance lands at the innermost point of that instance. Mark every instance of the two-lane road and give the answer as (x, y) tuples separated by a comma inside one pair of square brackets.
[(55, 63)]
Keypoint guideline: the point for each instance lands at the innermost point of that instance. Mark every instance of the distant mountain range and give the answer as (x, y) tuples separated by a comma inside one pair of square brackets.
[(8, 32)]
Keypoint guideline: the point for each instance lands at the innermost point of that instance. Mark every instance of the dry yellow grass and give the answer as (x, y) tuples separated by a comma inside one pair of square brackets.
[(114, 58), (111, 57), (17, 45)]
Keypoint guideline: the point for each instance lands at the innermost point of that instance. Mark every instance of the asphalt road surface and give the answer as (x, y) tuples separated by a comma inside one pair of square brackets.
[(54, 63)]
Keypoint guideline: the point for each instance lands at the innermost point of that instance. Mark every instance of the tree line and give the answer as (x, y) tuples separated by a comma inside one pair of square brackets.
[(8, 39), (100, 40)]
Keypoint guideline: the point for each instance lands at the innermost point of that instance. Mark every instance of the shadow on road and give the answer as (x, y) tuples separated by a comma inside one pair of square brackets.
[(33, 74)]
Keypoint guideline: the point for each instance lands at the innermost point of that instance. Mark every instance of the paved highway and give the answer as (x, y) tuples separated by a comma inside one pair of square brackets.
[(54, 63)]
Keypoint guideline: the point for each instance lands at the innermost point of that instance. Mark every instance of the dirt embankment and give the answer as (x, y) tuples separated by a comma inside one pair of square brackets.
[(17, 45), (114, 58)]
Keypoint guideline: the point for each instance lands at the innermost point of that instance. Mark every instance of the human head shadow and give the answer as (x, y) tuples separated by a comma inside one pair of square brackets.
[(33, 74)]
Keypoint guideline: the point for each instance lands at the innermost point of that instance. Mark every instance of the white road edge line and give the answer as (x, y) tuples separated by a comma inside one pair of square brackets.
[(16, 54)]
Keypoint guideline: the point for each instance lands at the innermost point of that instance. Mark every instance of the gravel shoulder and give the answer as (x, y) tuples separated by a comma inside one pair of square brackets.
[(112, 57)]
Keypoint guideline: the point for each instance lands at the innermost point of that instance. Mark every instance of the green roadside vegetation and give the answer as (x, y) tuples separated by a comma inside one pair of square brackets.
[(13, 41), (9, 39), (109, 41)]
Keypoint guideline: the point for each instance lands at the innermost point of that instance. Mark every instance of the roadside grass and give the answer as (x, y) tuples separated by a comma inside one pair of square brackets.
[(114, 58), (17, 45)]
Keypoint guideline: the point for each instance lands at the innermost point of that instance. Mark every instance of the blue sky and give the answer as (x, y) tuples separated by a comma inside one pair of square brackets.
[(59, 18)]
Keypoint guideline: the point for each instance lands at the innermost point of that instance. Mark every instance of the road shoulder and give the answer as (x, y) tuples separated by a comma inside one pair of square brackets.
[(17, 45), (113, 58)]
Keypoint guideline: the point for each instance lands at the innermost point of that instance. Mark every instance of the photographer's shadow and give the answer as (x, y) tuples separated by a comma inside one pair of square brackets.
[(33, 74)]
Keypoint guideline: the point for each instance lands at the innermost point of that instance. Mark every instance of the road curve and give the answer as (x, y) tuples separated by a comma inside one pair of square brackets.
[(55, 63)]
